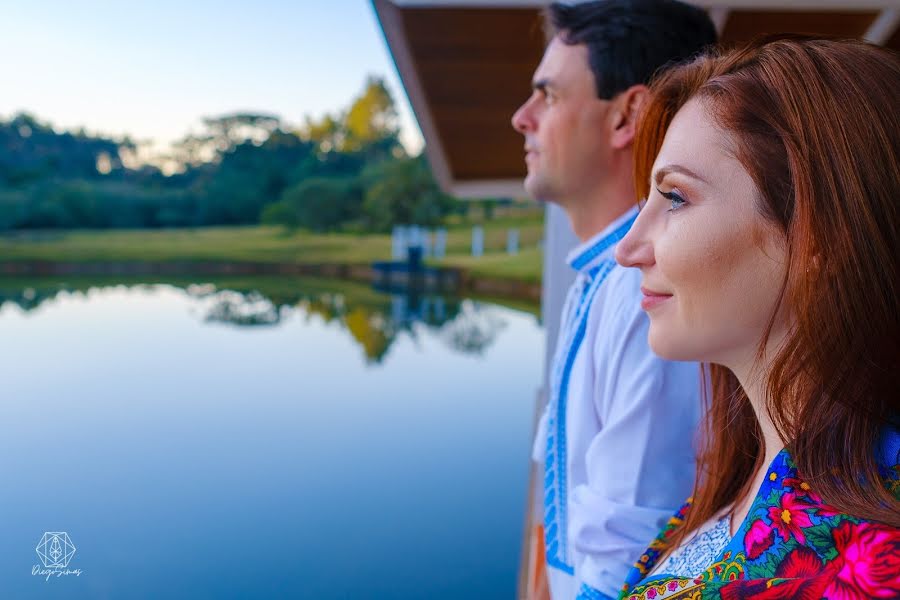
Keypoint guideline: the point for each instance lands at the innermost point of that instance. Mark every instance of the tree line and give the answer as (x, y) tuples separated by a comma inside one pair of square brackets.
[(345, 171)]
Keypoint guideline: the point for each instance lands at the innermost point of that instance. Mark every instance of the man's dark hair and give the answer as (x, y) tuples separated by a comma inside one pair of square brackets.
[(630, 40)]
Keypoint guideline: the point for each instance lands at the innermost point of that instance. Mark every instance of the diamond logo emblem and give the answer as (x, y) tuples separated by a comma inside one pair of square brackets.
[(55, 549)]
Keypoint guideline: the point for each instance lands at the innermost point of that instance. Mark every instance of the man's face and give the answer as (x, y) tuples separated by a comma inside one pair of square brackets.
[(565, 127)]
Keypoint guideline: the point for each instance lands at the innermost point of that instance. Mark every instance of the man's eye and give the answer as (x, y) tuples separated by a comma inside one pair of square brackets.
[(674, 198)]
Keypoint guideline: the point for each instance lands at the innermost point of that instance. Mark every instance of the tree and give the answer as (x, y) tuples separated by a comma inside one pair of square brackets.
[(372, 117), (371, 330), (235, 169), (369, 126), (235, 128), (31, 151), (327, 133), (250, 176), (280, 213), (223, 134), (320, 203), (403, 191)]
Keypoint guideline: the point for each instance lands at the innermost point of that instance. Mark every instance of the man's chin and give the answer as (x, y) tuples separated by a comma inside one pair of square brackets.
[(533, 186), (537, 188)]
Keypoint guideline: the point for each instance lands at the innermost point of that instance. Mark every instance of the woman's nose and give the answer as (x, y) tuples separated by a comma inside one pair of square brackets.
[(636, 249)]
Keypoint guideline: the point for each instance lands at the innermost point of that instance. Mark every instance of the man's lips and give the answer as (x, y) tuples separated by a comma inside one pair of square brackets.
[(652, 299)]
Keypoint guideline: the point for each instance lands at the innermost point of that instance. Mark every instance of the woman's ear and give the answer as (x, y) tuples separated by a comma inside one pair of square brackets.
[(626, 113)]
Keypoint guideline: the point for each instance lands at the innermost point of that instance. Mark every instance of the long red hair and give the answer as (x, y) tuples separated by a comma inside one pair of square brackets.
[(817, 128)]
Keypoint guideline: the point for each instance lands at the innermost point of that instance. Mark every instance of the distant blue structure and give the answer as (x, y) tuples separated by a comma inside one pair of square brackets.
[(410, 245), (440, 243), (477, 241), (512, 241)]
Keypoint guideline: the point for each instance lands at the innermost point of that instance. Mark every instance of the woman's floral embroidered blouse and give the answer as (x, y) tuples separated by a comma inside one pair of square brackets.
[(791, 545)]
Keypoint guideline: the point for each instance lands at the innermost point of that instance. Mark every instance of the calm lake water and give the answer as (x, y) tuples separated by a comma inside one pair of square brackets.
[(310, 440)]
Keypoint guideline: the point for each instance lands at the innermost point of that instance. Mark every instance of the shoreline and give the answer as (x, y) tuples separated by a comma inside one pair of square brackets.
[(364, 273)]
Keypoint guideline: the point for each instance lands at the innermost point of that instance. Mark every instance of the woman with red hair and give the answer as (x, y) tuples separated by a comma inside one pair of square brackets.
[(768, 246)]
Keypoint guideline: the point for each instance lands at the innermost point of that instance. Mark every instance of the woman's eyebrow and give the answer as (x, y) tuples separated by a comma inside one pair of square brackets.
[(674, 168)]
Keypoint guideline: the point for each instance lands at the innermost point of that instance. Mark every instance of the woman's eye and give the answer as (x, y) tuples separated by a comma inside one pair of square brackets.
[(674, 198)]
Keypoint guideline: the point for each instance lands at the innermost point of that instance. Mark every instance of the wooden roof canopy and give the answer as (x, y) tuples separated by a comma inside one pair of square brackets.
[(467, 65)]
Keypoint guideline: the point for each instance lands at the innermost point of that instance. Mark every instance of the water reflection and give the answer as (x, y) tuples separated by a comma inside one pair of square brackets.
[(374, 319), (182, 433), (474, 329), (235, 308)]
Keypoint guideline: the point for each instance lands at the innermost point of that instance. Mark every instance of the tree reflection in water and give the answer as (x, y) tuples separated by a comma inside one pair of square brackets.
[(374, 319), (235, 308), (474, 329)]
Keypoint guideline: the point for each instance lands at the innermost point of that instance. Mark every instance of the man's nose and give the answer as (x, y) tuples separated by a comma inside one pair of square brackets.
[(522, 120)]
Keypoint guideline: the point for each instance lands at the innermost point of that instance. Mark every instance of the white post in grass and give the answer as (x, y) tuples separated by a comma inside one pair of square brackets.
[(440, 243), (398, 243), (413, 237), (477, 241), (512, 241)]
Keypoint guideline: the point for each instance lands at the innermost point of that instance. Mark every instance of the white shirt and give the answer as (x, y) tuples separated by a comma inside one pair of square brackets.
[(617, 435)]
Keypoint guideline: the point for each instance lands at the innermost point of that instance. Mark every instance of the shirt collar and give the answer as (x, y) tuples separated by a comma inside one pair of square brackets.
[(588, 255)]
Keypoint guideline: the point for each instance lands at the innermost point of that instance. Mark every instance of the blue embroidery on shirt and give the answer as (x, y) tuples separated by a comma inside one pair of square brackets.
[(588, 593), (602, 245), (555, 507)]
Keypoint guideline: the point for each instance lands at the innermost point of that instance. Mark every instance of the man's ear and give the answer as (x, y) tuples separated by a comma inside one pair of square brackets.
[(626, 113)]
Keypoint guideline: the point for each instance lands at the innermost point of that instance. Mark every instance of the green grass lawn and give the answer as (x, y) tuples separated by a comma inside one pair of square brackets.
[(274, 245), (525, 266)]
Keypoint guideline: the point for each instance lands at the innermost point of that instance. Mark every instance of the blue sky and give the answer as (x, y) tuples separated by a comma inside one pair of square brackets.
[(152, 69)]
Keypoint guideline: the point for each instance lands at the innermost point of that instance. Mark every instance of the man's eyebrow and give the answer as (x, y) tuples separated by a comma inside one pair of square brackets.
[(673, 168), (541, 85)]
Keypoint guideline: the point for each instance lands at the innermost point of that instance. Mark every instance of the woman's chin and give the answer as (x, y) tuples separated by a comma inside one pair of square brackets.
[(670, 347)]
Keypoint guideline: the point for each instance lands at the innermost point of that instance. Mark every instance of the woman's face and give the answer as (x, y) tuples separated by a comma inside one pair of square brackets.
[(712, 265)]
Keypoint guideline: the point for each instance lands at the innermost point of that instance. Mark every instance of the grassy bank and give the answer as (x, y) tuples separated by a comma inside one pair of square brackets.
[(274, 245)]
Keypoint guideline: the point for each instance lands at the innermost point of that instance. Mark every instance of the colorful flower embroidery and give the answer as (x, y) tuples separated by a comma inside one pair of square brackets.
[(790, 517), (802, 489), (868, 562), (759, 538), (791, 545)]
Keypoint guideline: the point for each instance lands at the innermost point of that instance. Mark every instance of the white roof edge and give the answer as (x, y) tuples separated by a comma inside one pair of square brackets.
[(488, 188), (884, 26), (388, 16)]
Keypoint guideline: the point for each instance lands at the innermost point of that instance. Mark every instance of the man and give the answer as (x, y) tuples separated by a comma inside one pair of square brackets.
[(617, 437)]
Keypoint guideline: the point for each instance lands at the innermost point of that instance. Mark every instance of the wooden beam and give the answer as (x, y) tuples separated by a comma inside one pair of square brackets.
[(744, 25), (800, 5), (472, 3), (792, 5)]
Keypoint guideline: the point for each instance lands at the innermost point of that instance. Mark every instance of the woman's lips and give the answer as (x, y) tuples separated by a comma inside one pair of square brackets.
[(653, 299)]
